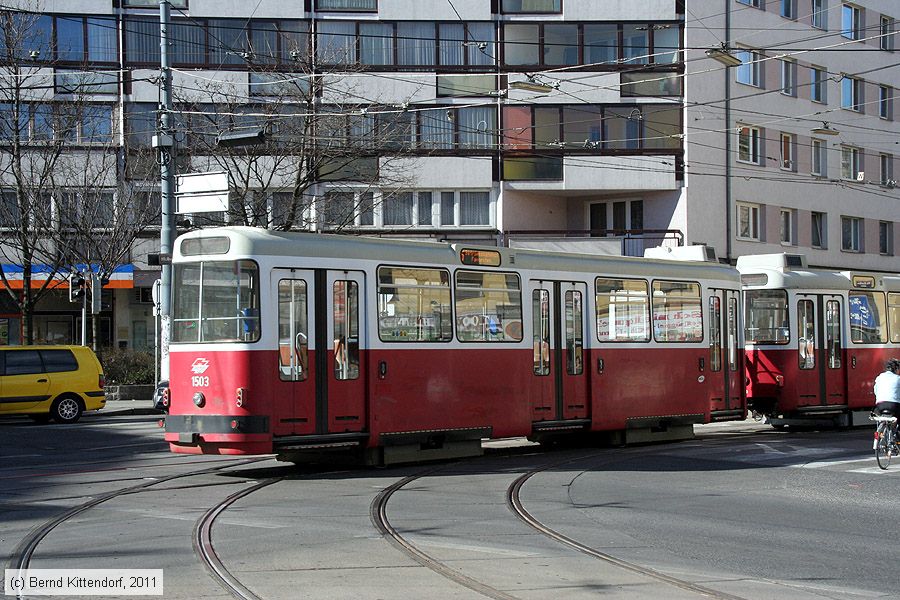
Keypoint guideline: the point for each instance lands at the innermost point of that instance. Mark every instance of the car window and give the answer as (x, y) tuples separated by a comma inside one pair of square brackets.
[(23, 362), (57, 361)]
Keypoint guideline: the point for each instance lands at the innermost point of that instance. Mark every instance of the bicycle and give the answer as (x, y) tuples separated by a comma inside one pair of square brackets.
[(886, 443)]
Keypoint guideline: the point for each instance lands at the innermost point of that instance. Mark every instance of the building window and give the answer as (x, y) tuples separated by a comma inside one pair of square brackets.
[(819, 230), (748, 221), (886, 238), (787, 226), (851, 90), (850, 228), (818, 15), (749, 145), (817, 87), (348, 5), (788, 77), (748, 72), (887, 33), (851, 20), (154, 3), (886, 162), (885, 102), (787, 151), (531, 6), (754, 3), (819, 158), (850, 159), (788, 9)]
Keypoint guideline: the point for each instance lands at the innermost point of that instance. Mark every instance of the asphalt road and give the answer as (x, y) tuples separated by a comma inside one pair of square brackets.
[(743, 511)]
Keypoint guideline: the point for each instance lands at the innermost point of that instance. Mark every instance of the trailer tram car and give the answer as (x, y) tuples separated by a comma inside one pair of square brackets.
[(815, 339), (302, 344)]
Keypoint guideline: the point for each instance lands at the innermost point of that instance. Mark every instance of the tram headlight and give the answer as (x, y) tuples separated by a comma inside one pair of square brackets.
[(199, 399)]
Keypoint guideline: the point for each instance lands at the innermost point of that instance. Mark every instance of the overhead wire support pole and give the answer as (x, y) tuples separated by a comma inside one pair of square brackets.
[(165, 142)]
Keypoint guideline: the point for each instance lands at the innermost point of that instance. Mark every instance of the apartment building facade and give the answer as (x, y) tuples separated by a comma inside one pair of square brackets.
[(793, 150), (601, 125)]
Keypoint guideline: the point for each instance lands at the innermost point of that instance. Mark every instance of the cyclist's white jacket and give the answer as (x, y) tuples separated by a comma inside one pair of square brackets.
[(887, 387)]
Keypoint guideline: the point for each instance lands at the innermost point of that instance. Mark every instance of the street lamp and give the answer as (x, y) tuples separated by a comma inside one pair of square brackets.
[(724, 56), (825, 129), (531, 84)]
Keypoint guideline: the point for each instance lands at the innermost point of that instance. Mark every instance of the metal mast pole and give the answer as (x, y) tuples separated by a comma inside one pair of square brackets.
[(165, 142)]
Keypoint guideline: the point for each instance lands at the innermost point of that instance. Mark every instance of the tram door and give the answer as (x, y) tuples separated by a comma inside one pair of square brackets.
[(558, 333), (319, 335), (725, 356), (821, 377)]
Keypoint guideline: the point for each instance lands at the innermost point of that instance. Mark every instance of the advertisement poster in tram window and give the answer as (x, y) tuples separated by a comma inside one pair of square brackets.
[(865, 324), (678, 325), (627, 327)]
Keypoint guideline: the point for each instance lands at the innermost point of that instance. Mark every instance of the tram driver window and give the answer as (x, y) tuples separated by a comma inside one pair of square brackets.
[(766, 319)]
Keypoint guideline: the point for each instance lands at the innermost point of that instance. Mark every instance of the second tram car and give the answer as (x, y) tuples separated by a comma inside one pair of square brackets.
[(815, 339), (299, 343)]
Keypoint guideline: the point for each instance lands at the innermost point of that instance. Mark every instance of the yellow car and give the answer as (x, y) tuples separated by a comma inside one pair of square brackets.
[(50, 382)]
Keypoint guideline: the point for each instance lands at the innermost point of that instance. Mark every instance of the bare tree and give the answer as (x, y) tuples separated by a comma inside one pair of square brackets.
[(321, 131), (62, 201)]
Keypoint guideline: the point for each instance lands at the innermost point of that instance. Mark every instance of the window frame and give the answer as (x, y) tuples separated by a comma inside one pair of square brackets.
[(818, 90), (754, 213), (851, 162), (754, 136), (750, 65), (818, 15), (787, 145), (787, 217), (851, 93), (822, 232), (854, 242), (788, 78), (880, 307), (374, 9), (449, 292), (507, 290), (886, 169), (886, 30), (508, 11), (855, 21), (886, 238), (885, 102), (784, 328), (819, 157)]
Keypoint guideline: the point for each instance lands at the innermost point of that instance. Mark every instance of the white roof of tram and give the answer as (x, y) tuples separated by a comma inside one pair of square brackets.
[(790, 271), (250, 242)]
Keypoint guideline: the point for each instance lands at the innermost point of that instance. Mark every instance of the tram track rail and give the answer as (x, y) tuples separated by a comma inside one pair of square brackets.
[(515, 504), (203, 545), (23, 553)]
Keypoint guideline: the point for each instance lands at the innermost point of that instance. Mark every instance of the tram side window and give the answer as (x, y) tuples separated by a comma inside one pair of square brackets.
[(733, 350), (677, 312), (540, 300), (715, 334), (293, 333), (766, 317), (574, 334), (414, 305), (894, 316), (216, 301), (623, 310), (345, 306), (833, 342), (806, 334), (867, 318), (488, 307)]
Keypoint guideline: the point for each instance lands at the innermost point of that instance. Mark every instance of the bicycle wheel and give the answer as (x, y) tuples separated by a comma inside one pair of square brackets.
[(883, 445)]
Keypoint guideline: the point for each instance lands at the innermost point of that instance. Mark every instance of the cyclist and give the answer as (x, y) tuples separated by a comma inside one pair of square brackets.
[(887, 389)]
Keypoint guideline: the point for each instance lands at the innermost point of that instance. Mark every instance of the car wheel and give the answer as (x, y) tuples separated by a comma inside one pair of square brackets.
[(66, 409)]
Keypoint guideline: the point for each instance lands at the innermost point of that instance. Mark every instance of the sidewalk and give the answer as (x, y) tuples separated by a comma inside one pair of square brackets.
[(128, 407)]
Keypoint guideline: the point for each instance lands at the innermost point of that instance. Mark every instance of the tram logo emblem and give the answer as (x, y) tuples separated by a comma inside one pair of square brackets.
[(199, 366)]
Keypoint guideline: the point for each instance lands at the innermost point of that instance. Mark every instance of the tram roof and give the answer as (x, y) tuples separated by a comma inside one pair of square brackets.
[(757, 275), (246, 242)]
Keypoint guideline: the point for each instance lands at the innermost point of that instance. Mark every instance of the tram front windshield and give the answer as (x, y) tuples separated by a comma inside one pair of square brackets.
[(766, 320), (216, 301)]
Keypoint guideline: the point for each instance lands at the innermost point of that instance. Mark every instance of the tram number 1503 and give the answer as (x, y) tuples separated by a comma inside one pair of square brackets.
[(199, 381)]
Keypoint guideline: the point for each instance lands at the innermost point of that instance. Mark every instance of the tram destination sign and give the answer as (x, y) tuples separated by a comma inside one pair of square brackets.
[(201, 192)]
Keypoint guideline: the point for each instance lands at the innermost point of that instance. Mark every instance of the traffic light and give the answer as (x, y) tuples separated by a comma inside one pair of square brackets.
[(76, 286)]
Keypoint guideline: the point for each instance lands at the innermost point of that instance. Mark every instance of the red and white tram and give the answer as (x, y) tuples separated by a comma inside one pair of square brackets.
[(815, 339), (401, 350)]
